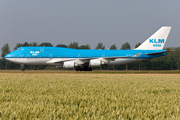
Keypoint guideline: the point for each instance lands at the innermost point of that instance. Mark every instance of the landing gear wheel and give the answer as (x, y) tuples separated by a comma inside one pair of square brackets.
[(90, 69), (23, 69), (83, 69)]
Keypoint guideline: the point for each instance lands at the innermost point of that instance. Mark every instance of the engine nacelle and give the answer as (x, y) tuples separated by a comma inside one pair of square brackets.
[(69, 64), (96, 63)]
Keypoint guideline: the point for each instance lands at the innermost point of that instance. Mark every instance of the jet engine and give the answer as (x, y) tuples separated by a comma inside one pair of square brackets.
[(96, 63), (70, 64)]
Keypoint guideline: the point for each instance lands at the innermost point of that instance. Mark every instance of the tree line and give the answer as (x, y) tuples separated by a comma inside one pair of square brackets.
[(169, 62)]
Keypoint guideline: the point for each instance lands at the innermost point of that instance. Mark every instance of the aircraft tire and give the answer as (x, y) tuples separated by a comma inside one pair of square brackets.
[(84, 69), (23, 69), (90, 69)]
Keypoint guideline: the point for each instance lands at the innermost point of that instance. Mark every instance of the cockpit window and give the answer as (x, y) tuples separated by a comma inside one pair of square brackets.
[(18, 49)]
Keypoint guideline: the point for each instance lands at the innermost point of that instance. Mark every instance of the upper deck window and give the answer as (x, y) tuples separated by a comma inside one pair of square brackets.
[(33, 49)]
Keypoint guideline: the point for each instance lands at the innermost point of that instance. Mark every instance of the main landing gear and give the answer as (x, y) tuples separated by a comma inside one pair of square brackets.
[(22, 67), (84, 69)]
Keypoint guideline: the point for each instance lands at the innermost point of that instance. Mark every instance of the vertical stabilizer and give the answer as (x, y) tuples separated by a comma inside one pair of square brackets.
[(157, 40)]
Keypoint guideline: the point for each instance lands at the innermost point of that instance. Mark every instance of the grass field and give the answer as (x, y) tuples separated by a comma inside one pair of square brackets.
[(84, 95)]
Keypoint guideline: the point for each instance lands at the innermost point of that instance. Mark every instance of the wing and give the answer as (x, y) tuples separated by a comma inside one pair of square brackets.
[(81, 61), (60, 60)]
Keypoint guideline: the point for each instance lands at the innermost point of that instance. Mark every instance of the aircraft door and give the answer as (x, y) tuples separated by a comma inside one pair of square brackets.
[(41, 49), (50, 56), (27, 56)]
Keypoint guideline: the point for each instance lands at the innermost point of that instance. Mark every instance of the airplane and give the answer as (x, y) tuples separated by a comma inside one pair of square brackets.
[(84, 60)]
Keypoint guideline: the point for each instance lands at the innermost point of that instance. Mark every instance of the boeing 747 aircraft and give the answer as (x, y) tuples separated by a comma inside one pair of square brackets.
[(86, 59)]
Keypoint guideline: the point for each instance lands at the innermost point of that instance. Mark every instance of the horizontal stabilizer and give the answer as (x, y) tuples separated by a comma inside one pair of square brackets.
[(157, 53)]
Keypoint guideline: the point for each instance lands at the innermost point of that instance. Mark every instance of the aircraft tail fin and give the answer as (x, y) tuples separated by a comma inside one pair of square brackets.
[(157, 40)]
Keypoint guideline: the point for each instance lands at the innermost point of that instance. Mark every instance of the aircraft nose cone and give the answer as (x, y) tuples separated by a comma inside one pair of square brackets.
[(7, 56)]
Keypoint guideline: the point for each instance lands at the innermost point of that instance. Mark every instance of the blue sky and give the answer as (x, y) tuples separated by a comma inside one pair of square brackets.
[(87, 21)]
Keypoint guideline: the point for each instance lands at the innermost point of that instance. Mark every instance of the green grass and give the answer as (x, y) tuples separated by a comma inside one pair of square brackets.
[(70, 95)]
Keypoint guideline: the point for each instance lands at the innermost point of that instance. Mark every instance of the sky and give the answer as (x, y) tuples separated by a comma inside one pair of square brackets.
[(87, 21)]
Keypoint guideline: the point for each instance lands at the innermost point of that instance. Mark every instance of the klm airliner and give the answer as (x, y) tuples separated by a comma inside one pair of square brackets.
[(86, 59)]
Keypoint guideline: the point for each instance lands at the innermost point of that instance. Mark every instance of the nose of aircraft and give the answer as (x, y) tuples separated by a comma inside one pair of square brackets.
[(12, 56), (6, 56)]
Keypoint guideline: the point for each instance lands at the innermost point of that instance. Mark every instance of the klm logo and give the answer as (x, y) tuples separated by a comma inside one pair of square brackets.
[(34, 52), (156, 41)]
